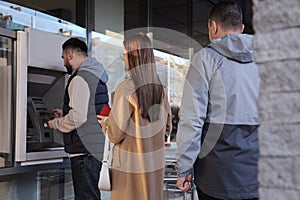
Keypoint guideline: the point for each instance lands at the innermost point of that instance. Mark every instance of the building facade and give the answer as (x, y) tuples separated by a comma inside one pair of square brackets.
[(178, 28)]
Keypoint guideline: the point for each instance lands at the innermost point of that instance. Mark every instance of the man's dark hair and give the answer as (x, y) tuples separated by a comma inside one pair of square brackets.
[(228, 14), (75, 44)]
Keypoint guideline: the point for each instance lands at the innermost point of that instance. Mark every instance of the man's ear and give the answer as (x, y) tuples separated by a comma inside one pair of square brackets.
[(242, 30), (70, 54), (214, 27)]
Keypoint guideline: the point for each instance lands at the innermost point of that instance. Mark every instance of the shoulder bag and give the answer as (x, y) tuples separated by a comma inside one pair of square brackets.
[(105, 178)]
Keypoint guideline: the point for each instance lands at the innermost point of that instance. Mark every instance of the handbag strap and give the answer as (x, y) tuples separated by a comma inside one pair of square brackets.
[(108, 152)]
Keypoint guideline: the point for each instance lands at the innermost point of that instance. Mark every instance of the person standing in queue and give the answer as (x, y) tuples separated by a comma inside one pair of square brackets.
[(137, 124), (218, 129), (85, 95)]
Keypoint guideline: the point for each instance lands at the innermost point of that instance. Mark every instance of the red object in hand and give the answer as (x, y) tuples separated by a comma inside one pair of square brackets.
[(105, 110)]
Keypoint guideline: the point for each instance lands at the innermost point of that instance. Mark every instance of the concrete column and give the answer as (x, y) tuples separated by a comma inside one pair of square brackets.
[(277, 52)]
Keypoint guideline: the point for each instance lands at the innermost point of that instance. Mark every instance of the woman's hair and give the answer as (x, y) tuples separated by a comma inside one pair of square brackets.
[(142, 69)]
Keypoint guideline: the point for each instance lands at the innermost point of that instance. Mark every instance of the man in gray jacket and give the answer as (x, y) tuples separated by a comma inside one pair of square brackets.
[(217, 134)]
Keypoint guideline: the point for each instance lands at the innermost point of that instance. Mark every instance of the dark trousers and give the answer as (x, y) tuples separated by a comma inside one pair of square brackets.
[(85, 174), (203, 196)]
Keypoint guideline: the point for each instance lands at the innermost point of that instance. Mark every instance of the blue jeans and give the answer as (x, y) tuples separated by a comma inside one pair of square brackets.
[(85, 174)]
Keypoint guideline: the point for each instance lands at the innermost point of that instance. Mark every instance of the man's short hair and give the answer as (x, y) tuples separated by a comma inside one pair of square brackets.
[(75, 44), (228, 14)]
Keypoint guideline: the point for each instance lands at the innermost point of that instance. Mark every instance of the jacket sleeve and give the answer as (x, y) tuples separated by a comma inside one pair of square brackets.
[(192, 117), (79, 98)]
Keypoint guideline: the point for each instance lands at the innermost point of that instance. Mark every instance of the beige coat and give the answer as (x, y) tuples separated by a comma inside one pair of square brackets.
[(138, 161)]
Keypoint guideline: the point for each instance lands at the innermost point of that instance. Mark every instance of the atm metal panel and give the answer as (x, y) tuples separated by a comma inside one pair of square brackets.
[(41, 79)]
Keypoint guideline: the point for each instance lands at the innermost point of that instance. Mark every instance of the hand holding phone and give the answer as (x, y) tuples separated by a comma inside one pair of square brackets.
[(105, 110), (103, 114)]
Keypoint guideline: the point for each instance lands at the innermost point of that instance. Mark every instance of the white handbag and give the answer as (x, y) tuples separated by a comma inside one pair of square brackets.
[(105, 178)]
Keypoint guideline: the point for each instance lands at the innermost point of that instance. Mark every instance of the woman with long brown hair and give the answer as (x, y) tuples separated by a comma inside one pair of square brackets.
[(139, 119)]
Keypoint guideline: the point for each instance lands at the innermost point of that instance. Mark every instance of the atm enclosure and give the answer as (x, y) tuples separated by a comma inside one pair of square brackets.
[(41, 81)]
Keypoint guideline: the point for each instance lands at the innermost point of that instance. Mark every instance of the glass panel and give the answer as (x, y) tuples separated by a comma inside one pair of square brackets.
[(109, 16), (201, 10), (16, 17), (173, 16), (107, 49), (55, 184), (108, 39), (172, 70), (43, 185), (62, 9), (5, 101), (11, 17)]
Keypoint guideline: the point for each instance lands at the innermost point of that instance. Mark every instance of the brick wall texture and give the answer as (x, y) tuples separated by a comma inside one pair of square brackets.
[(277, 52)]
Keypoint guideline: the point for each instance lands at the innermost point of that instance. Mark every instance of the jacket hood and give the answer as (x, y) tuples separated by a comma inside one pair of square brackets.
[(95, 67), (237, 47)]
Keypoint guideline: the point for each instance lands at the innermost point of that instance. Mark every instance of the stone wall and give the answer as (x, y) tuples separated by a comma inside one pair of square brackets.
[(277, 52)]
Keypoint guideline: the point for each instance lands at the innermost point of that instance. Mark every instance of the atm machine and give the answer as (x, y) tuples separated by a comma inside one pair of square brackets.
[(41, 81)]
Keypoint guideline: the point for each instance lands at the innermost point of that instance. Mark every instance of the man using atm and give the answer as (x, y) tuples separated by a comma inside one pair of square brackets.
[(85, 95)]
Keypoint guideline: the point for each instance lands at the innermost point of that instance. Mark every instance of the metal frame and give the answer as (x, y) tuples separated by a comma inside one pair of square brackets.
[(23, 61), (11, 35), (8, 33)]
